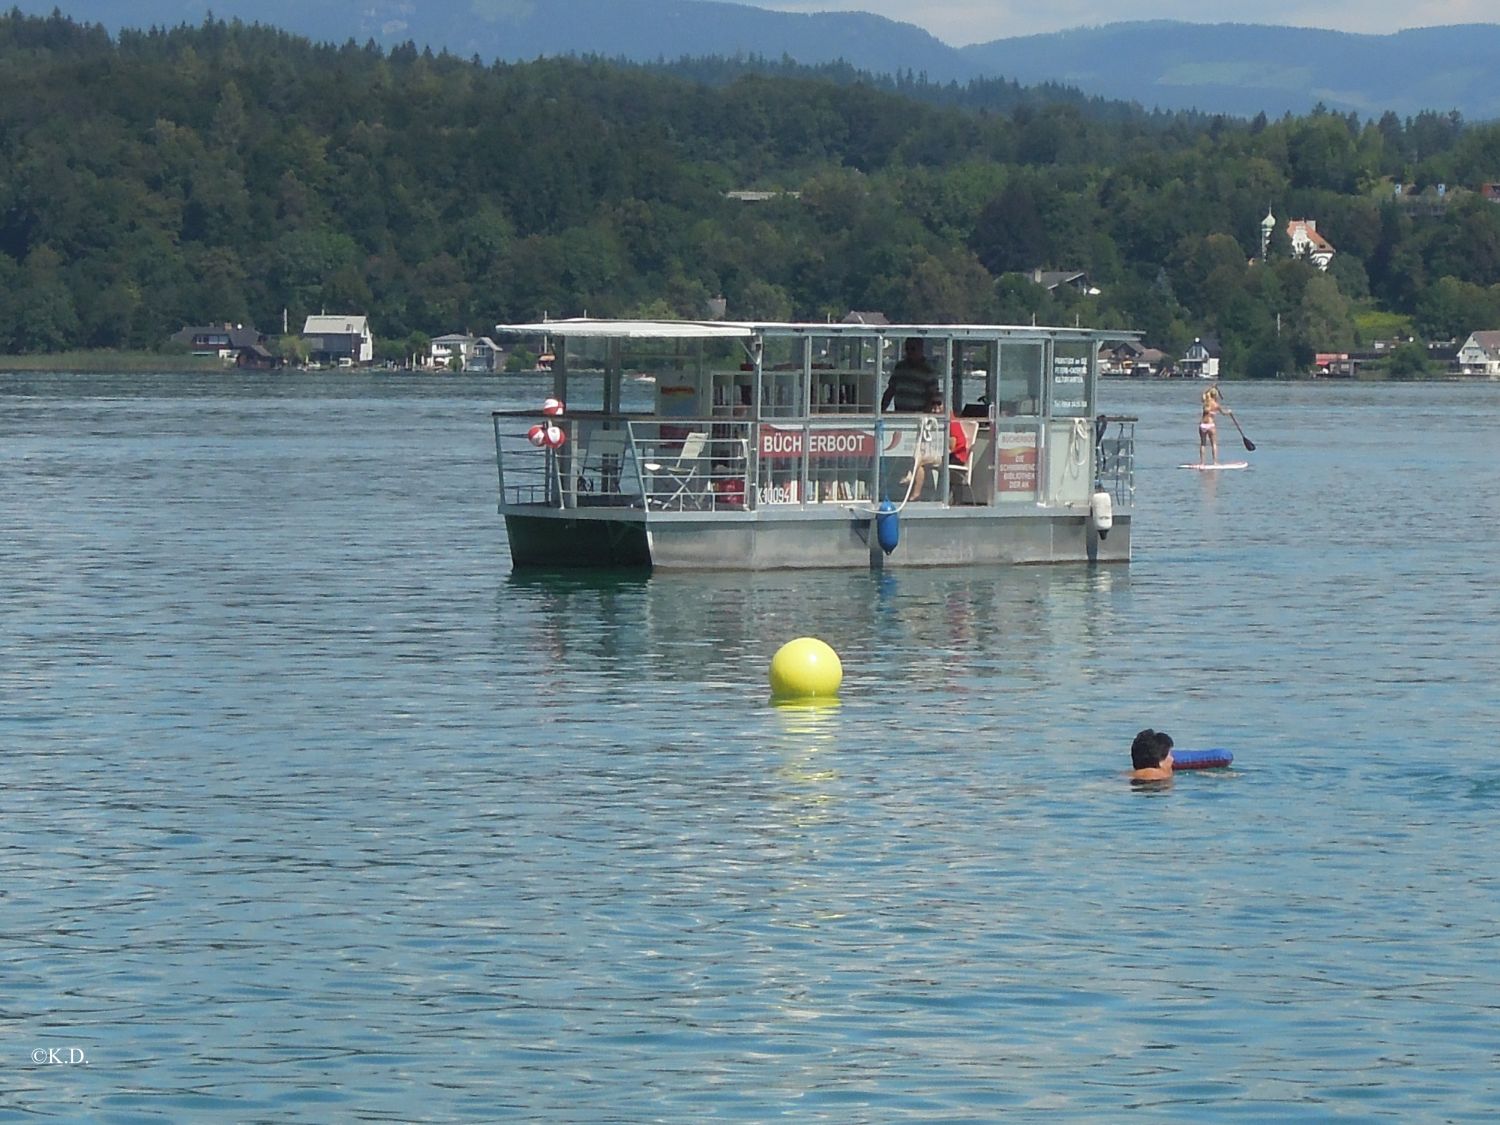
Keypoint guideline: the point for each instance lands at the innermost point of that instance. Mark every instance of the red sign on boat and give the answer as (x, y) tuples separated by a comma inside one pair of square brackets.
[(780, 441)]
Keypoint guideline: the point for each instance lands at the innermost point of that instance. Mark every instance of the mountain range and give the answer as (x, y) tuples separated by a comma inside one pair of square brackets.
[(1235, 69)]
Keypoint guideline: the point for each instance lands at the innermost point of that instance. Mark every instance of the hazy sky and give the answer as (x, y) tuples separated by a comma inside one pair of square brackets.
[(960, 22)]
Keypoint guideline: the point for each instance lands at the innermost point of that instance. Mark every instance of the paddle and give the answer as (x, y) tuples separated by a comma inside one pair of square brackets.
[(1249, 445)]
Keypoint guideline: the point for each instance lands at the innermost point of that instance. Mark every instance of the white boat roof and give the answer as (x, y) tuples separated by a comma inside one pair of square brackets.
[(582, 327), (630, 329)]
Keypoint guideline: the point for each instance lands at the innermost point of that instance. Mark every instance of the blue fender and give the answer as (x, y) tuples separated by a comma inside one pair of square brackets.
[(888, 527)]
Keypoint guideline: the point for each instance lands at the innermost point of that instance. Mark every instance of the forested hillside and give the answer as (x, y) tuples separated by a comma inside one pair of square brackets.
[(227, 173), (1245, 69), (1239, 69)]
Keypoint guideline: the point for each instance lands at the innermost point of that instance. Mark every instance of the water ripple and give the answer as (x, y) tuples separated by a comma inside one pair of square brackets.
[(310, 811)]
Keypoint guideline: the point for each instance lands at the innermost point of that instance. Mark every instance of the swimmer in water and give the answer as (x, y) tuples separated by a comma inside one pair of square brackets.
[(1151, 756), (1208, 432)]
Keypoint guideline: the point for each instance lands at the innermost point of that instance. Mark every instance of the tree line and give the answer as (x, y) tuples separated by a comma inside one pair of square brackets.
[(226, 172)]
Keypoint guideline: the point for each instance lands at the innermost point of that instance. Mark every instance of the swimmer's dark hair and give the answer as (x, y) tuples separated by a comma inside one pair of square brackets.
[(1149, 749)]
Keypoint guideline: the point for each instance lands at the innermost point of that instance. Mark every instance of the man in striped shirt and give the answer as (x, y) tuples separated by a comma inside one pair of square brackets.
[(913, 382)]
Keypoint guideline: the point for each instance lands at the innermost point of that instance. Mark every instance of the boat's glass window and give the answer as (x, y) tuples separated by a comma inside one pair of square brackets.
[(783, 386), (938, 352), (845, 374), (1070, 379), (973, 361), (1019, 389)]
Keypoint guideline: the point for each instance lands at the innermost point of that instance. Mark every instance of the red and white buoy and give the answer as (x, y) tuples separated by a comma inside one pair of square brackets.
[(552, 407)]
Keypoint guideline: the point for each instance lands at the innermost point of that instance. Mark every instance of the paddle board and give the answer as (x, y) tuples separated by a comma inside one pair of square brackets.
[(1220, 465)]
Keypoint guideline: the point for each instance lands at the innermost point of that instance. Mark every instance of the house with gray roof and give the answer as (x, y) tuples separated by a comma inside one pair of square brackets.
[(225, 341), (342, 340), (471, 353), (485, 355), (1480, 355), (443, 350), (1201, 360), (1053, 280)]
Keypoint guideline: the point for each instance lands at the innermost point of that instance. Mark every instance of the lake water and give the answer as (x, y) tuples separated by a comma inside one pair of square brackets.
[(310, 811)]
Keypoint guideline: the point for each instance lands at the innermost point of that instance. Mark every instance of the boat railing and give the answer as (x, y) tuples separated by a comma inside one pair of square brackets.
[(720, 464), (692, 464), (528, 473), (735, 465), (1114, 457), (850, 460), (612, 461), (716, 464), (565, 461)]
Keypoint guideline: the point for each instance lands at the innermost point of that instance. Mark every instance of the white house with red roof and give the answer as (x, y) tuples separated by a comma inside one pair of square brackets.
[(1306, 241)]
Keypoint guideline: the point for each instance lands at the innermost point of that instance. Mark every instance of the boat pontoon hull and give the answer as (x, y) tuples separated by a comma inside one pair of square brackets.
[(549, 540)]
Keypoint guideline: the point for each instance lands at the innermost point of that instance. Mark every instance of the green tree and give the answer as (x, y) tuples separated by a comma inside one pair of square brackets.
[(953, 289), (1269, 358), (221, 294), (105, 323), (301, 262), (291, 348), (415, 348), (46, 319), (1409, 361), (1009, 235), (1348, 272), (1466, 243), (1450, 309), (1324, 319), (1322, 154), (1212, 270), (1018, 299), (761, 300)]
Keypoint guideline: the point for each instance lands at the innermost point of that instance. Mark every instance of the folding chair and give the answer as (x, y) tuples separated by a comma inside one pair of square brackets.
[(680, 476)]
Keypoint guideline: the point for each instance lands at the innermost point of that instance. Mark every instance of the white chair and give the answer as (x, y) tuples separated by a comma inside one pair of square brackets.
[(673, 484)]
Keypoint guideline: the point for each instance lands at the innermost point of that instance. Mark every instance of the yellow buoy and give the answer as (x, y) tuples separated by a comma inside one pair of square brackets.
[(804, 669)]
